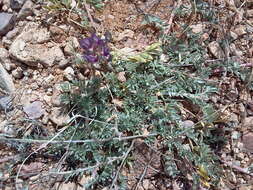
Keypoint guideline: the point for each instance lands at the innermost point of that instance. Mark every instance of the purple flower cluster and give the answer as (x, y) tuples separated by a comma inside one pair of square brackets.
[(95, 49)]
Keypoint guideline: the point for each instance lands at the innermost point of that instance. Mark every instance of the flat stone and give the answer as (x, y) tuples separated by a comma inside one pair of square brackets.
[(34, 110), (6, 82), (7, 22)]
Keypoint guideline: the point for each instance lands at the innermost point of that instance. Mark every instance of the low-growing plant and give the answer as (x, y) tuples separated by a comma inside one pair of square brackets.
[(79, 7), (140, 99)]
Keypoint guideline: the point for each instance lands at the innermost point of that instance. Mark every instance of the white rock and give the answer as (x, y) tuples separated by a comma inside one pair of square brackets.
[(69, 73)]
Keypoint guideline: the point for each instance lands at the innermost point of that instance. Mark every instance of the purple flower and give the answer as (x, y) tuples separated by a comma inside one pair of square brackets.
[(95, 49), (85, 43), (91, 58)]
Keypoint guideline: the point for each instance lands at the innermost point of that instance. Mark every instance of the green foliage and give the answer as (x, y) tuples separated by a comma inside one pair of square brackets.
[(66, 6)]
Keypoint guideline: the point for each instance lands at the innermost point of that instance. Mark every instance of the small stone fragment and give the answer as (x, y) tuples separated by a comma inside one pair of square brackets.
[(59, 118), (118, 103), (69, 73), (34, 110), (11, 34), (248, 142), (17, 73), (64, 63), (216, 50), (240, 30), (7, 22)]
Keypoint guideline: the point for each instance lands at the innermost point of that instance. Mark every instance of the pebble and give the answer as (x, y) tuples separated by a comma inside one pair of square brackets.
[(64, 63), (17, 73), (69, 73), (187, 123), (216, 50), (6, 103), (235, 135), (4, 55)]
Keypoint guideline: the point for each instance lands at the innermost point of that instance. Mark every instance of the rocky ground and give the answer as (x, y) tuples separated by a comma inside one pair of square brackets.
[(37, 56)]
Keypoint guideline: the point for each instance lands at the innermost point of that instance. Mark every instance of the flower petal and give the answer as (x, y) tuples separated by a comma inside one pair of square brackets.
[(91, 58), (95, 38), (86, 43), (106, 51)]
